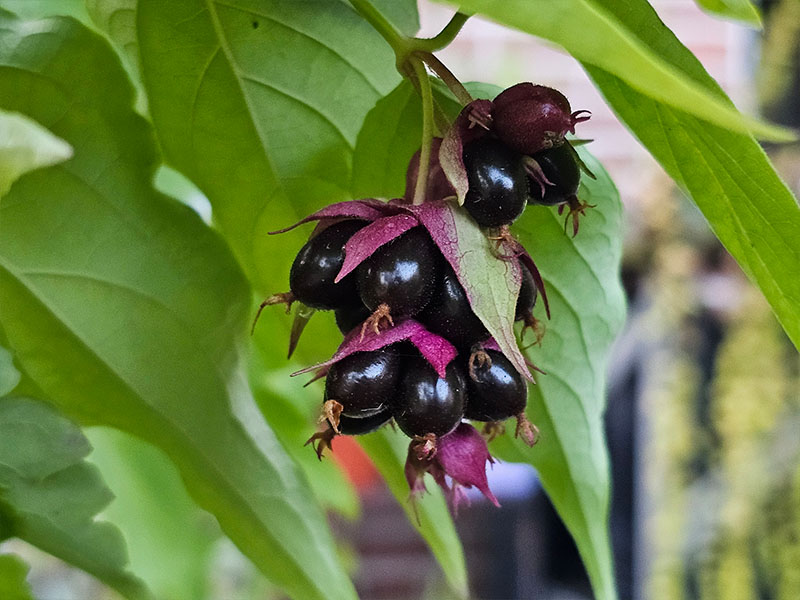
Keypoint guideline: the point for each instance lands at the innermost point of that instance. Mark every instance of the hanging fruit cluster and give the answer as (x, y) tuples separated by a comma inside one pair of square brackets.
[(400, 283)]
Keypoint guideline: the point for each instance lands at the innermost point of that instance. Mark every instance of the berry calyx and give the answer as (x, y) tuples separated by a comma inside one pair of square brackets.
[(426, 403), (402, 275), (530, 118), (495, 390), (497, 183), (323, 439)]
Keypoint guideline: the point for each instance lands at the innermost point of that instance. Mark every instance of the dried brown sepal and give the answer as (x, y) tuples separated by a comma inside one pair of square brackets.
[(381, 317), (526, 430), (536, 326), (478, 358), (286, 298), (493, 429), (331, 411), (577, 209), (321, 441)]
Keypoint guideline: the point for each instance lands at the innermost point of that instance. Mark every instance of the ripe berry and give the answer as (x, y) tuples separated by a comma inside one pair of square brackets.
[(561, 169), (318, 263), (527, 294), (450, 315), (530, 118), (400, 275), (351, 316), (495, 392), (426, 403), (364, 383), (360, 426), (497, 183)]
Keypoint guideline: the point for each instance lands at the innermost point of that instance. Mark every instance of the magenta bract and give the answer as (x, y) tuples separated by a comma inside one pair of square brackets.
[(367, 240), (460, 455), (472, 123)]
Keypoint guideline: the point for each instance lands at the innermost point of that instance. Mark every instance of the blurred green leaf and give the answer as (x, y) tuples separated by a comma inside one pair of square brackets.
[(37, 9), (727, 174), (388, 449), (169, 539), (9, 376), (49, 495), (597, 35), (13, 571), (127, 310), (567, 404), (741, 10), (26, 146)]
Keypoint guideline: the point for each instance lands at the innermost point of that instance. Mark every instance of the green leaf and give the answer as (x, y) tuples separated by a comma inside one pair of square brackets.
[(741, 10), (37, 9), (9, 376), (727, 175), (49, 495), (596, 35), (127, 310), (169, 538), (388, 448), (25, 146), (13, 571), (567, 404)]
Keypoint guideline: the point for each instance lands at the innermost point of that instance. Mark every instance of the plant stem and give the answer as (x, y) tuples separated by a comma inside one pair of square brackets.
[(446, 75), (398, 42), (427, 131), (444, 37)]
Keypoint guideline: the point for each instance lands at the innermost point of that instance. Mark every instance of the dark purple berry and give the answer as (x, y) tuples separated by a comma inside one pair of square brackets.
[(402, 274), (351, 316), (317, 265), (498, 185), (495, 392), (362, 425), (450, 315), (364, 383), (561, 169), (427, 403), (527, 294), (530, 118)]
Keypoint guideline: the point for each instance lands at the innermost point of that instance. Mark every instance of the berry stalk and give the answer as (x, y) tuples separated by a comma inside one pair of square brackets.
[(427, 130)]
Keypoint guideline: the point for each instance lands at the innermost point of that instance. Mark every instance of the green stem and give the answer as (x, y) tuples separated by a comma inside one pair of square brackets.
[(444, 37), (446, 75), (427, 131), (398, 42)]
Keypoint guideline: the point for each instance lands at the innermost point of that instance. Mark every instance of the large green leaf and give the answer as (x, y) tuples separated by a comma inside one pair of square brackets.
[(726, 173), (49, 495), (12, 578), (587, 306), (25, 146), (9, 376), (742, 10), (169, 538), (598, 36), (125, 309)]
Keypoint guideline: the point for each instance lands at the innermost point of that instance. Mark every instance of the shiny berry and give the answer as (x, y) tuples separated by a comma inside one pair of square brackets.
[(498, 185), (450, 315), (527, 294), (530, 118), (362, 425), (402, 274), (496, 392), (364, 383), (561, 169), (317, 265), (351, 316), (427, 403)]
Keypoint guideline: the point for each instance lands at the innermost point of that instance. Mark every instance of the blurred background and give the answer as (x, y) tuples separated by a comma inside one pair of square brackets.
[(703, 416)]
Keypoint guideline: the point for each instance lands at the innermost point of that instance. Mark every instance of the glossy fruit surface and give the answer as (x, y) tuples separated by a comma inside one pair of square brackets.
[(562, 170), (425, 402), (401, 274), (317, 265), (497, 392), (450, 315), (364, 383), (498, 186), (527, 294), (360, 426), (351, 316)]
